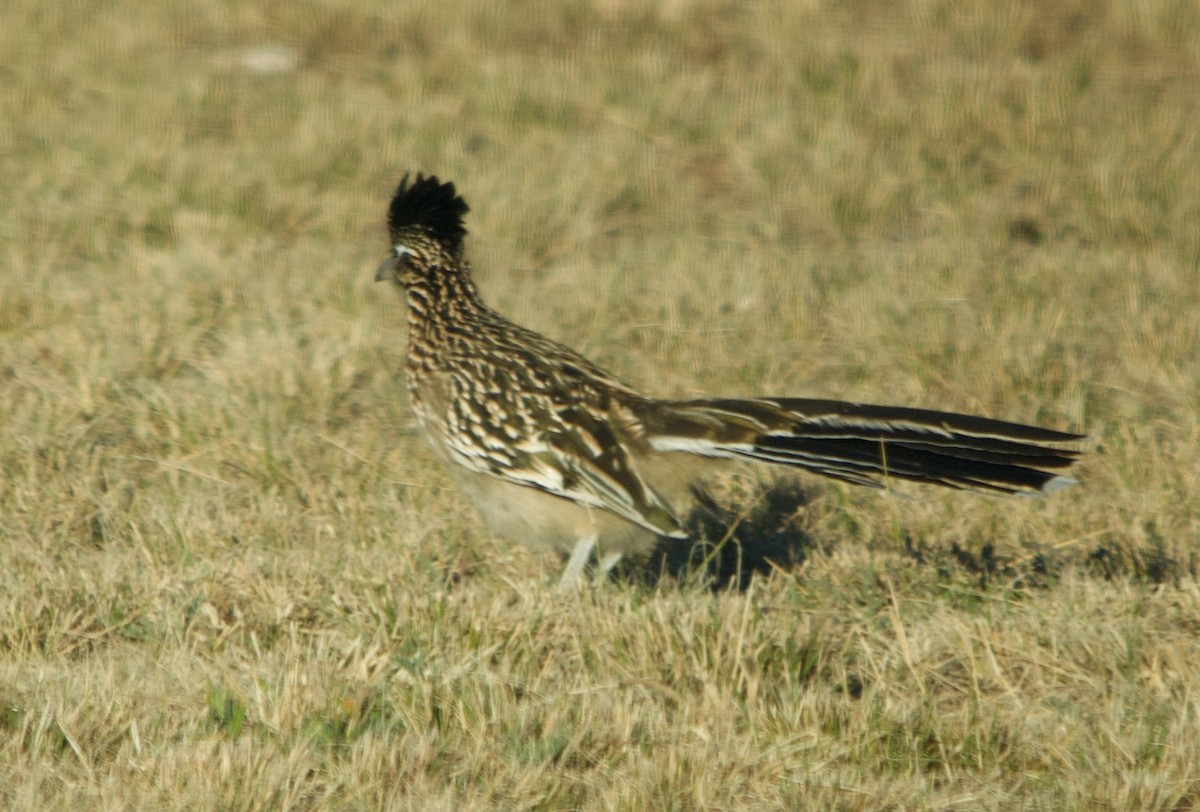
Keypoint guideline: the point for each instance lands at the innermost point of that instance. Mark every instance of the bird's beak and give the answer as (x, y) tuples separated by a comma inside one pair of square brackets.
[(387, 268)]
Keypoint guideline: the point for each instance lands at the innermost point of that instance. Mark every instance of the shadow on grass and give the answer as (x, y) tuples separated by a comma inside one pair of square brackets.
[(732, 543)]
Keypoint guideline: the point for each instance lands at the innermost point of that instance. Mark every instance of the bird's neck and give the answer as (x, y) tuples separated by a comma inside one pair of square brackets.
[(439, 309)]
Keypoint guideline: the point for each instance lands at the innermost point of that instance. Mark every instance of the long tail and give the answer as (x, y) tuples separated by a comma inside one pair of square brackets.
[(866, 444)]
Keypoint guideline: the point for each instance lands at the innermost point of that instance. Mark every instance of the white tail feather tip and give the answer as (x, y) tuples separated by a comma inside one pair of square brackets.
[(1058, 483)]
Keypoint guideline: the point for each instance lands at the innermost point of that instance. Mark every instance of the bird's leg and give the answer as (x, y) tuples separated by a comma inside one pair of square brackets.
[(579, 559), (607, 562)]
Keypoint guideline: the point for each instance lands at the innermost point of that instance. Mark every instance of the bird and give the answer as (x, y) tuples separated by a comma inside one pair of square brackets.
[(560, 455)]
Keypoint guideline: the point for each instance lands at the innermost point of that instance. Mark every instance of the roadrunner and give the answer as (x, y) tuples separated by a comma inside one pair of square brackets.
[(559, 455)]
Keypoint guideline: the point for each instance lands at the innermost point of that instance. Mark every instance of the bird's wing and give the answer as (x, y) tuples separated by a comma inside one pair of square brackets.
[(563, 448), (582, 457)]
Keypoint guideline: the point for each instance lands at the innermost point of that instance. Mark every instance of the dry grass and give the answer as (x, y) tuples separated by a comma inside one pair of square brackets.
[(234, 579)]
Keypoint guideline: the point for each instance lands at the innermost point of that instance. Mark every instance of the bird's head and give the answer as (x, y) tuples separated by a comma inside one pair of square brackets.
[(425, 222)]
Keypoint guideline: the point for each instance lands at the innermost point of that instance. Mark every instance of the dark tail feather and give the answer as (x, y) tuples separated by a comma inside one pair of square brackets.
[(866, 444)]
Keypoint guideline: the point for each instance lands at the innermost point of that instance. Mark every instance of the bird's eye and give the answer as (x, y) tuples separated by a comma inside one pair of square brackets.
[(403, 252)]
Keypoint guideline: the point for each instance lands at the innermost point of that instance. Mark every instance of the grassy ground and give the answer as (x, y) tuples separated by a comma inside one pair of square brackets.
[(233, 578)]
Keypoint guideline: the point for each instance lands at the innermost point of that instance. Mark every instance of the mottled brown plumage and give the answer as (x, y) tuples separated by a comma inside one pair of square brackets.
[(558, 454)]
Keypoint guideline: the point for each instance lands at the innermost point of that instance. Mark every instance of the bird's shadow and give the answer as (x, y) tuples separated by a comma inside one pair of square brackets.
[(730, 542)]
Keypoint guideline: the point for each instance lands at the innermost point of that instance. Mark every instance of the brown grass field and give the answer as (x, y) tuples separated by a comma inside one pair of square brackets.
[(234, 578)]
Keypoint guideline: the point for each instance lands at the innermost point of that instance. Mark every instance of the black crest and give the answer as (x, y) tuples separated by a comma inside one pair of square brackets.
[(429, 205)]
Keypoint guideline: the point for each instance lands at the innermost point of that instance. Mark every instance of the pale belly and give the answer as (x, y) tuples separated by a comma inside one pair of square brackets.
[(546, 522)]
